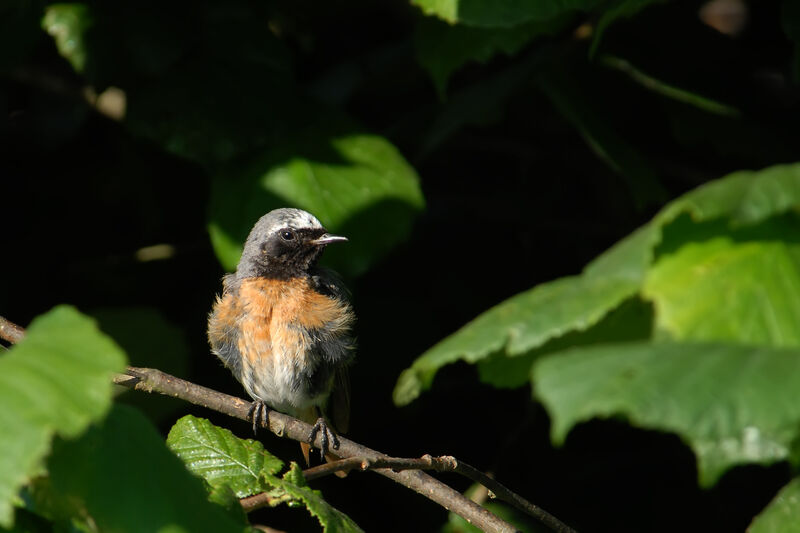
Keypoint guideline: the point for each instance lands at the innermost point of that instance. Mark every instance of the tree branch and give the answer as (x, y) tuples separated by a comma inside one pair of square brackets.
[(10, 332), (354, 456), (152, 380)]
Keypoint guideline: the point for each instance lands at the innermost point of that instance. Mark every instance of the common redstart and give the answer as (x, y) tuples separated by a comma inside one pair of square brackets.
[(283, 326)]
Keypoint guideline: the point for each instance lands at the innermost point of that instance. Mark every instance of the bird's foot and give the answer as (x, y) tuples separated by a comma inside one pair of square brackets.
[(259, 414), (328, 438)]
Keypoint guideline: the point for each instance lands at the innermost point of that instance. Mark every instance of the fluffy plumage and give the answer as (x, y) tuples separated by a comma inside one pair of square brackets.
[(282, 325)]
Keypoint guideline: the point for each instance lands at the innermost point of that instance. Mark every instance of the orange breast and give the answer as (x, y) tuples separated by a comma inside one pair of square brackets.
[(278, 315)]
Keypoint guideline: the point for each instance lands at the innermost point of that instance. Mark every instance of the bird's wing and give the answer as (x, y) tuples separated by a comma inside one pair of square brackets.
[(329, 283), (223, 331), (339, 401)]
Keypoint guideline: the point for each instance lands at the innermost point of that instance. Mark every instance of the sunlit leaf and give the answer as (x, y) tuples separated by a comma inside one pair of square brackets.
[(739, 204), (723, 290), (519, 324), (732, 404), (55, 382), (243, 466), (782, 515), (221, 458), (358, 185)]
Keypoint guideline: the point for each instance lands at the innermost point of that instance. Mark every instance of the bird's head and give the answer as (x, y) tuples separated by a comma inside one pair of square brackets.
[(284, 243)]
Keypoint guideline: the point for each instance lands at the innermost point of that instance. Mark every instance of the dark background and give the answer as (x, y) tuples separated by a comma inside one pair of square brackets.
[(514, 198)]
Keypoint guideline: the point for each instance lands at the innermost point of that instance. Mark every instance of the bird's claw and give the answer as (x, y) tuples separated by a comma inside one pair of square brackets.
[(328, 438), (259, 414)]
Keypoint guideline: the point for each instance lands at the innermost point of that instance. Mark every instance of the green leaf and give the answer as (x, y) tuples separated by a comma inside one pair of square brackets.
[(501, 13), (740, 203), (56, 381), (782, 515), (719, 289), (443, 48), (667, 90), (65, 513), (519, 324), (632, 320), (221, 458), (67, 24), (224, 460), (329, 517), (741, 199), (732, 404), (745, 197), (358, 185), (128, 480)]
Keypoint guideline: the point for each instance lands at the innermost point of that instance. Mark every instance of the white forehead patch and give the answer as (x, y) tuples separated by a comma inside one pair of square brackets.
[(297, 218), (288, 218)]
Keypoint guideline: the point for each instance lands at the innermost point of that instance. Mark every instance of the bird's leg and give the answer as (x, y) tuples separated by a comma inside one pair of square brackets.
[(328, 436), (259, 413)]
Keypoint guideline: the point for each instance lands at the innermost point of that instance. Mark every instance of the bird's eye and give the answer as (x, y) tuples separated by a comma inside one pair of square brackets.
[(287, 235)]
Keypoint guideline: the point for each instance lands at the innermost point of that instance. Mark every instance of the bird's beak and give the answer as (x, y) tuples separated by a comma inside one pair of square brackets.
[(327, 238)]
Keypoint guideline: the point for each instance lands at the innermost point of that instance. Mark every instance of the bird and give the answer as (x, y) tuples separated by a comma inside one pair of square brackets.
[(284, 326)]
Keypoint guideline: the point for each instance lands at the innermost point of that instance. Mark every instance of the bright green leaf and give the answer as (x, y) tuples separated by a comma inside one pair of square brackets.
[(329, 517), (732, 404), (722, 290), (56, 381), (528, 320), (633, 320), (358, 185), (782, 515), (128, 480), (224, 460), (518, 325), (221, 458), (67, 23), (745, 197)]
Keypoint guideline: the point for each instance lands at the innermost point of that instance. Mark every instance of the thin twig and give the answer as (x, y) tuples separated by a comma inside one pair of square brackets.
[(257, 501), (10, 332), (152, 380), (354, 456), (445, 463)]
